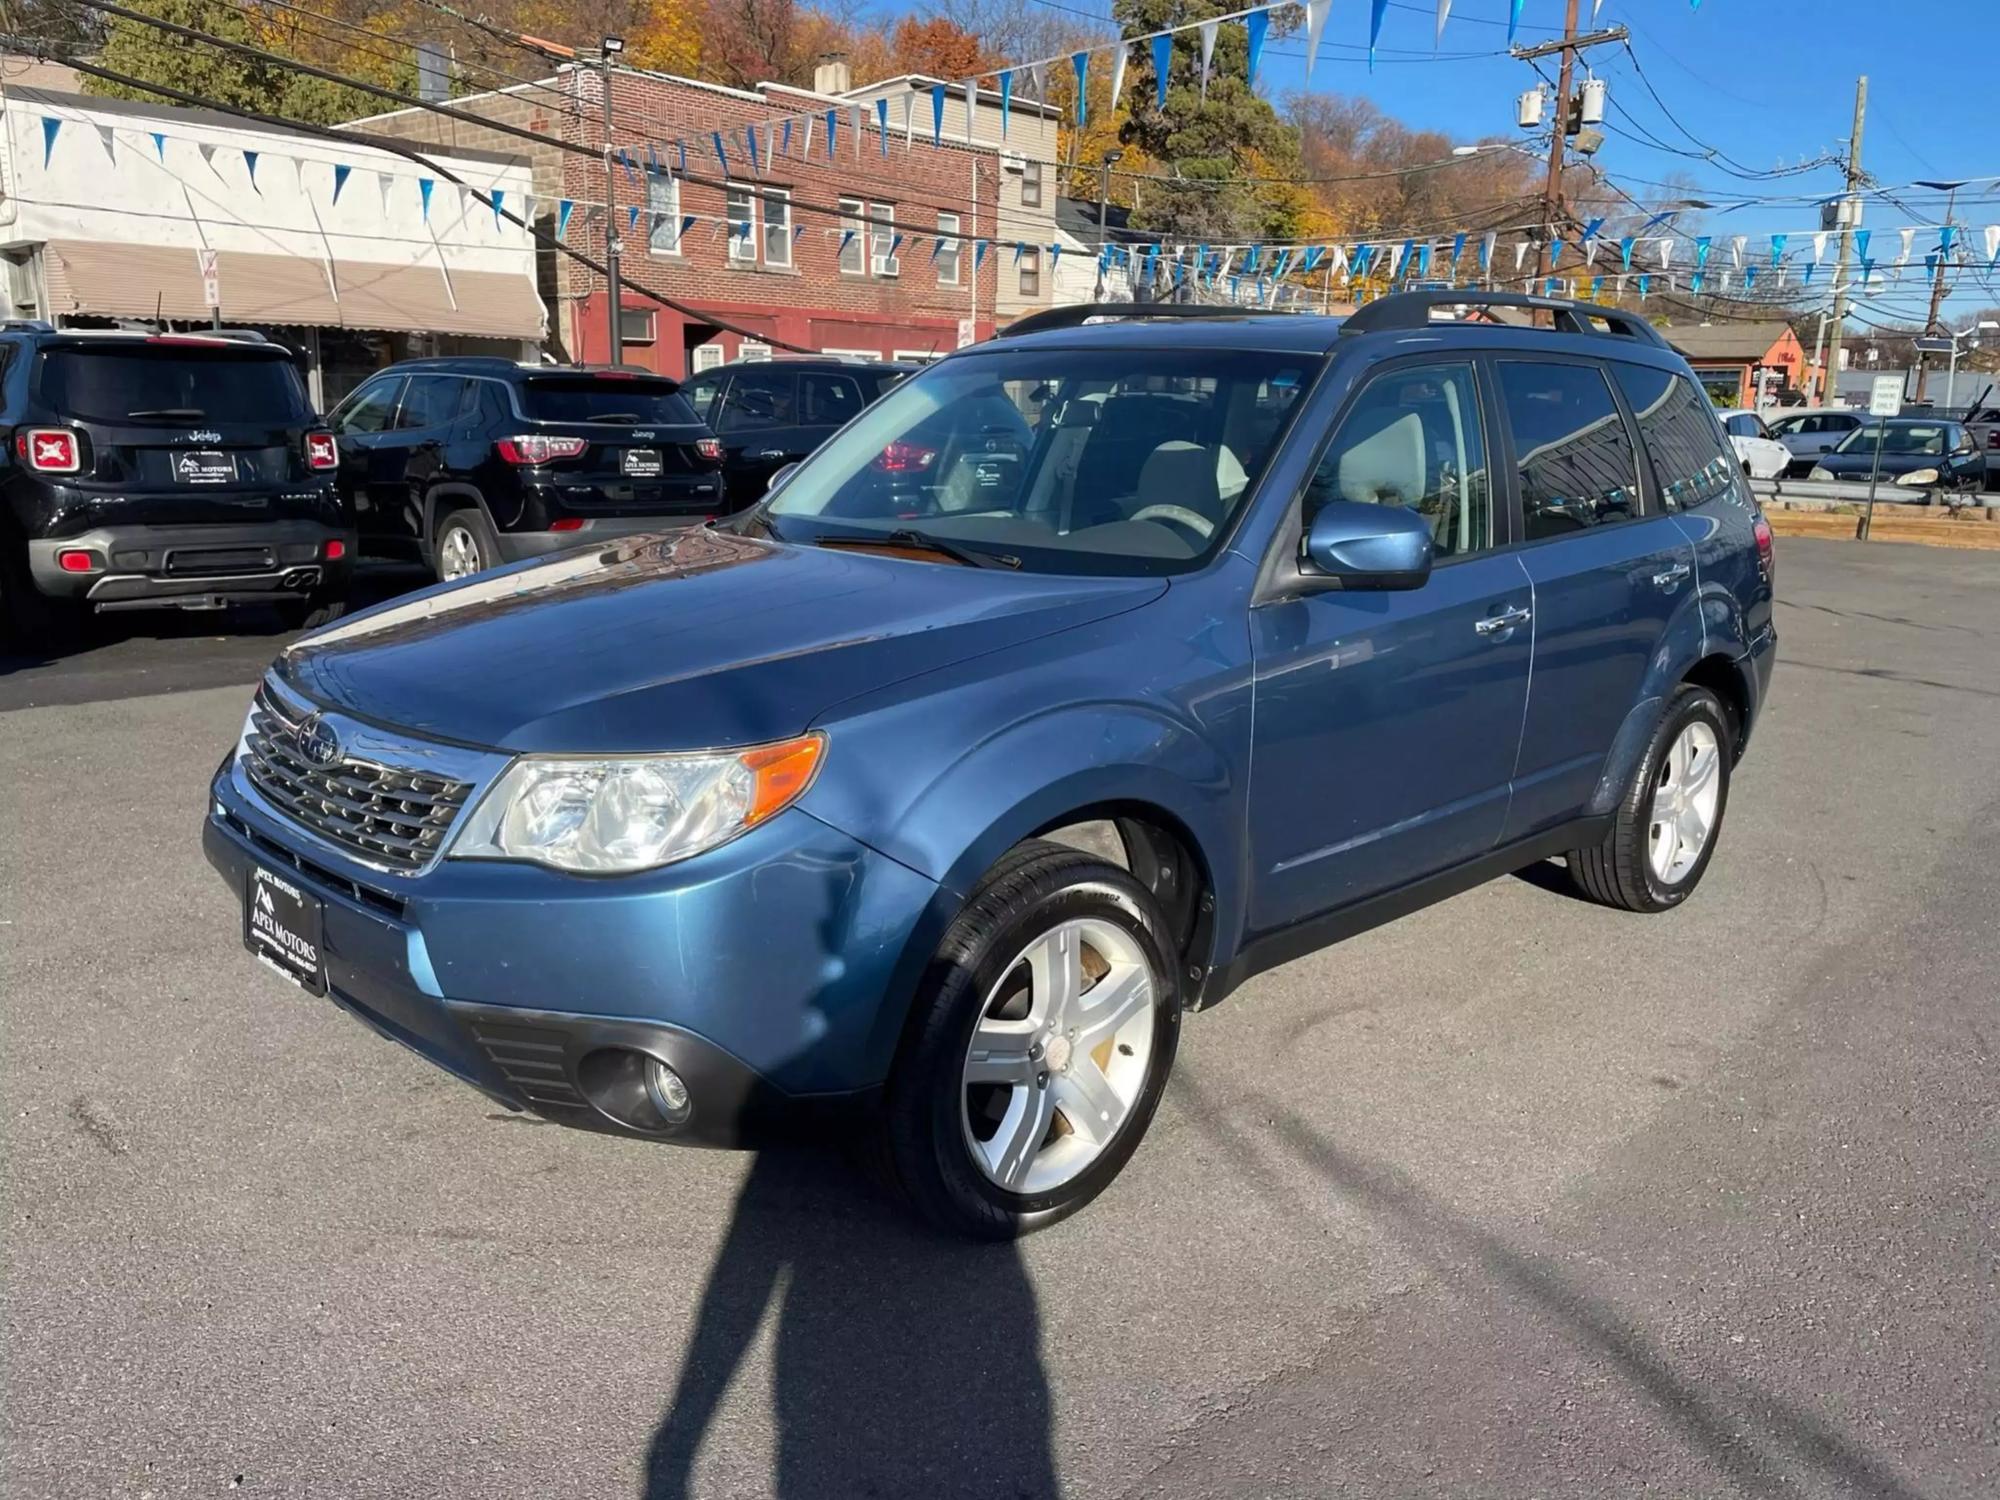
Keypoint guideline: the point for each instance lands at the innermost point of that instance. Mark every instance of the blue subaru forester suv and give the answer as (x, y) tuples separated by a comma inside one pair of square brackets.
[(722, 834)]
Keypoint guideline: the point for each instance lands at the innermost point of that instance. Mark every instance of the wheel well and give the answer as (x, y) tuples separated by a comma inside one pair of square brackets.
[(1162, 855), (445, 499), (1719, 675)]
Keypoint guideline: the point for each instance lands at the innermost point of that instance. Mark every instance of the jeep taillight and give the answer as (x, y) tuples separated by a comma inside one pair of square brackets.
[(899, 457), (322, 452), (49, 450), (709, 448), (535, 448)]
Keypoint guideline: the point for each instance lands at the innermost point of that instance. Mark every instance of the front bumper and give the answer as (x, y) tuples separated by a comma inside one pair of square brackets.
[(179, 565), (764, 972)]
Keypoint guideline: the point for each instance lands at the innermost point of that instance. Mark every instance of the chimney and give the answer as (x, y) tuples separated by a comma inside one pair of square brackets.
[(831, 74)]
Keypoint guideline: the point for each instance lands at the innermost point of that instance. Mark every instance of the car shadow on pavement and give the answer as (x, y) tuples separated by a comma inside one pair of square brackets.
[(1743, 1428), (903, 1363)]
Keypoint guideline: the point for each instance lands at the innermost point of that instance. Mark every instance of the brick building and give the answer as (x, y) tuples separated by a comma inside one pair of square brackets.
[(802, 252)]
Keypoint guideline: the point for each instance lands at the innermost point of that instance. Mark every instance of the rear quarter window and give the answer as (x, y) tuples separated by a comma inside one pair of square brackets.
[(1677, 425), (600, 398), (171, 385)]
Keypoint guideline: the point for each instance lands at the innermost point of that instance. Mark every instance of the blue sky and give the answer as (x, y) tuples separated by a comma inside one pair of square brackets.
[(1769, 82)]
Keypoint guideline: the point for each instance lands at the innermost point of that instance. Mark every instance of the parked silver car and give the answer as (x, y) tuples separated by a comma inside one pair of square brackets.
[(1813, 431)]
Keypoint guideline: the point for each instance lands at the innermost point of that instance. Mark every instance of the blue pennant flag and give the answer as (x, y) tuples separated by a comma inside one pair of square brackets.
[(1658, 218), (1806, 279), (750, 145), (160, 144), (1486, 254), (499, 198), (1947, 233), (846, 239), (1006, 98), (936, 245), (1457, 248), (1285, 263), (1019, 250), (1590, 228), (1257, 23), (1777, 248), (1081, 62), (1316, 253), (1625, 252), (937, 114), (979, 249), (1749, 277), (882, 123), (564, 208), (785, 138), (721, 156), (1701, 253), (631, 167), (895, 244), (631, 218), (340, 175), (1513, 21), (1694, 282), (687, 223), (424, 186), (1931, 267), (1163, 58), (1235, 287), (1555, 253), (1251, 256), (51, 128), (1861, 243), (1403, 259), (250, 161), (1552, 287), (1645, 287), (832, 131), (1423, 260), (1375, 15), (1597, 286), (1867, 272)]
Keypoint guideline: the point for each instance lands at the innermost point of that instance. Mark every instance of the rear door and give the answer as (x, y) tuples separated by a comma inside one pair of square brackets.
[(1608, 575), (364, 419), (183, 430), (404, 456), (759, 427), (638, 437)]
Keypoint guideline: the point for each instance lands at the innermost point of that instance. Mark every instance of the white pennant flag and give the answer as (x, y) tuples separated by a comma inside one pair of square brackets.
[(806, 150), (387, 182), (1590, 251), (1520, 253), (106, 134), (1118, 62), (1736, 251), (1486, 253), (1903, 256), (1038, 81), (1316, 11), (1666, 252), (1207, 53), (909, 120), (207, 154), (1725, 281), (1595, 7), (860, 118), (1992, 241), (1444, 14), (1339, 254), (1819, 247)]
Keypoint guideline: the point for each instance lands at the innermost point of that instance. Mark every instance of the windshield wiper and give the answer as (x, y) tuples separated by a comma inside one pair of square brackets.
[(923, 541), (170, 411)]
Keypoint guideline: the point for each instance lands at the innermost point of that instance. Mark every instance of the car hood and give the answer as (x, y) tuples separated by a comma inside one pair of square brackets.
[(693, 639)]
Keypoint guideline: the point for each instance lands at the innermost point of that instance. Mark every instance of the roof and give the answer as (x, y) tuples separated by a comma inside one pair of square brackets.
[(1077, 217), (1728, 341), (1290, 333), (924, 83)]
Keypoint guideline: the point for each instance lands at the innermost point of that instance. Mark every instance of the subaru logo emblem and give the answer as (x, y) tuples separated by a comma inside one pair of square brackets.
[(317, 742)]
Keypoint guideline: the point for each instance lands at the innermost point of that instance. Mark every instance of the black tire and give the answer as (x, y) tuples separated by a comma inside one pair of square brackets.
[(924, 1150), (472, 521), (1618, 872), (320, 607), (30, 621)]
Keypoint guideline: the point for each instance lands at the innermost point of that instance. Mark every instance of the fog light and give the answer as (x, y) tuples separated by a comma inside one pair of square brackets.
[(669, 1095)]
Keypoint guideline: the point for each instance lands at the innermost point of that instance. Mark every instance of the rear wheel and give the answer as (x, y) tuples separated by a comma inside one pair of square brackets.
[(1664, 832), (463, 544), (1040, 1046)]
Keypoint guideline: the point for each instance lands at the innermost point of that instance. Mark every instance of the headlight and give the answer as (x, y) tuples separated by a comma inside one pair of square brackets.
[(1821, 474), (617, 814)]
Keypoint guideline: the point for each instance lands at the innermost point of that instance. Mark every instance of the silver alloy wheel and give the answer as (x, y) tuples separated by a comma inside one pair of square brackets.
[(458, 552), (1060, 1055), (1684, 802)]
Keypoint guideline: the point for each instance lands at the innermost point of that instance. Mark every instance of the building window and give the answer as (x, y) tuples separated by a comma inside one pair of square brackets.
[(882, 257), (947, 256), (1031, 271), (778, 227), (1031, 184), (663, 205), (707, 357), (854, 236), (636, 325), (742, 212), (752, 352)]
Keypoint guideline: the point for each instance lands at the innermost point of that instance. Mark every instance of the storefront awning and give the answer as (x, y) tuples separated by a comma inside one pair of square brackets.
[(101, 279)]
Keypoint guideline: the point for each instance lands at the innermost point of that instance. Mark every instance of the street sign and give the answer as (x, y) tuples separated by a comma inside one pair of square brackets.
[(968, 332), (1885, 397), (1928, 345), (211, 278)]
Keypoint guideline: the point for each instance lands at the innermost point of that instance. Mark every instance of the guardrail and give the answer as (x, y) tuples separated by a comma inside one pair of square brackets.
[(1846, 492)]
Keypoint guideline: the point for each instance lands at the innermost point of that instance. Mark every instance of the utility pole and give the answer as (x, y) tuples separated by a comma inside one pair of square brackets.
[(1552, 185), (614, 247), (1829, 376), (1111, 158), (1932, 326)]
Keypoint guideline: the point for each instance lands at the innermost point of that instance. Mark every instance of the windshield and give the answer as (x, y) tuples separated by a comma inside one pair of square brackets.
[(1110, 461), (1921, 438), (142, 383), (606, 398)]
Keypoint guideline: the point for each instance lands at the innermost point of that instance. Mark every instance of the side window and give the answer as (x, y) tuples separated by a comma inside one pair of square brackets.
[(431, 401), (1413, 438), (370, 409), (1677, 426), (1574, 458), (701, 393), (758, 398), (828, 400)]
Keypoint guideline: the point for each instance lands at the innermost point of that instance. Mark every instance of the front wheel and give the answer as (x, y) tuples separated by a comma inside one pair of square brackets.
[(1039, 1048), (1663, 834)]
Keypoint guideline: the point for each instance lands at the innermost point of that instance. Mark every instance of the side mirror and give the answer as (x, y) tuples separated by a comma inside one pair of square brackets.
[(1358, 546), (1916, 479), (779, 477)]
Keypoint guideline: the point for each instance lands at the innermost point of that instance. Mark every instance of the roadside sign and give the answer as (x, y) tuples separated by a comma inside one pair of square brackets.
[(211, 278), (968, 332), (1885, 397), (1929, 345)]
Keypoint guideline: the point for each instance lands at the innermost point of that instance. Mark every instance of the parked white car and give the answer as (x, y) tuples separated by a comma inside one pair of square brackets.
[(1763, 456)]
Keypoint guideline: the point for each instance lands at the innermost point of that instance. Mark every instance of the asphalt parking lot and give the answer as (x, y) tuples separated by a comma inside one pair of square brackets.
[(1516, 1196)]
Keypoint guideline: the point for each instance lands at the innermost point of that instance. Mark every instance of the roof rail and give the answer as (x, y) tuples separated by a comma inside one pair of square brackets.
[(26, 325), (1080, 313), (1413, 310)]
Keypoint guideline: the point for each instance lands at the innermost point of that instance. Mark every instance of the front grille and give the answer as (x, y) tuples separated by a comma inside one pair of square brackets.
[(387, 815)]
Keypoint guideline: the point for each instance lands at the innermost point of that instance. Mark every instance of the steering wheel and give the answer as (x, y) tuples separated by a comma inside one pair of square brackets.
[(1179, 516)]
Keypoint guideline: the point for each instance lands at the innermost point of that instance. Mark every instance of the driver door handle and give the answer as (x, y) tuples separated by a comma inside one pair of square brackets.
[(1667, 578), (770, 453), (1507, 619)]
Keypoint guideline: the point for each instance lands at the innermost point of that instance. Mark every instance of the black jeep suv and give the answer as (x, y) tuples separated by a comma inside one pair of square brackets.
[(178, 470), (471, 461)]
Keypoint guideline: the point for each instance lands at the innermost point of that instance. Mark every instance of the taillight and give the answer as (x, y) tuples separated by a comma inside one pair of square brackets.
[(709, 448), (76, 560), (904, 458), (535, 448), (566, 523), (334, 550), (49, 450), (321, 451), (1761, 530)]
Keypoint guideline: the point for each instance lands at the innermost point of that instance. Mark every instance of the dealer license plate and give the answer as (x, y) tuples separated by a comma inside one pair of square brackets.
[(204, 466), (643, 463), (283, 925)]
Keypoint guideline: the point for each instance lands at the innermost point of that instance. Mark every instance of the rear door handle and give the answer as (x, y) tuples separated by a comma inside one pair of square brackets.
[(1667, 578), (1507, 619), (770, 453)]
